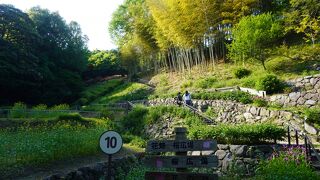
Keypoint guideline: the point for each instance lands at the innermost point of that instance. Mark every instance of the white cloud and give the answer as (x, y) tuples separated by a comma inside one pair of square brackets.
[(93, 16)]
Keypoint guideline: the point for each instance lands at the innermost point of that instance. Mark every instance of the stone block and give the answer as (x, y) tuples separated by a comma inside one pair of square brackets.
[(238, 150), (310, 129), (301, 101), (294, 96), (220, 154), (310, 103), (223, 146)]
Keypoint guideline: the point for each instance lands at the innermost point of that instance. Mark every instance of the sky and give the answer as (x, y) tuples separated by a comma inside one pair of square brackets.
[(92, 15)]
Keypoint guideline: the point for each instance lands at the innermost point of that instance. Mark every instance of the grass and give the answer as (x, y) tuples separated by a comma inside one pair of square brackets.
[(35, 146), (297, 60), (95, 91), (125, 92)]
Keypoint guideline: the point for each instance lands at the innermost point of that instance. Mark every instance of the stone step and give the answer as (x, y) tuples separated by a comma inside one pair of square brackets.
[(316, 165)]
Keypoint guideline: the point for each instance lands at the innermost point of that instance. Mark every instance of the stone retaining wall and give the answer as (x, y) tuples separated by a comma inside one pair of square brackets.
[(234, 112), (307, 92), (97, 171), (244, 157)]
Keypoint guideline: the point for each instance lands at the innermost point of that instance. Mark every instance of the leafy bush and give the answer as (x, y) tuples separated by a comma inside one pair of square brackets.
[(270, 84), (312, 115), (238, 96), (134, 122), (238, 134), (287, 164), (260, 102), (60, 107), (205, 83), (186, 84), (241, 72), (19, 110)]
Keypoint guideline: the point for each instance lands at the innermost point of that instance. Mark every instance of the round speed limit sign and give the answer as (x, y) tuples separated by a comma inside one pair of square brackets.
[(110, 142)]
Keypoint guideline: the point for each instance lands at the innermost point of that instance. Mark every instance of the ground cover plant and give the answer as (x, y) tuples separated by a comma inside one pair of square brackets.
[(125, 92), (95, 91), (290, 163), (28, 146), (238, 96), (238, 134)]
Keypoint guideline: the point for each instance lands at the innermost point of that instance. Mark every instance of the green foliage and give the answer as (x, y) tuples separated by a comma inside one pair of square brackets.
[(93, 92), (287, 164), (238, 134), (42, 57), (186, 84), (134, 122), (312, 115), (238, 96), (252, 36), (270, 83), (260, 102), (19, 110), (126, 92), (205, 83), (241, 72), (32, 147)]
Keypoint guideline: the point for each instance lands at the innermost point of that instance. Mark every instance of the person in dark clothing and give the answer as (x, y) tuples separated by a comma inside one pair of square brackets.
[(179, 99)]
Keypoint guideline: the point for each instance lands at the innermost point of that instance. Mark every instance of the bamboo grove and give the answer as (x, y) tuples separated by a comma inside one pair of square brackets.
[(179, 34)]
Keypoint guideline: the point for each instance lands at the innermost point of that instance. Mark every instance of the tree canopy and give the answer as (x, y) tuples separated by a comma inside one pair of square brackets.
[(41, 56)]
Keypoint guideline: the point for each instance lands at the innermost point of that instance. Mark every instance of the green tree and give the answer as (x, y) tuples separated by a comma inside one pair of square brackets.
[(253, 36), (20, 70), (303, 16)]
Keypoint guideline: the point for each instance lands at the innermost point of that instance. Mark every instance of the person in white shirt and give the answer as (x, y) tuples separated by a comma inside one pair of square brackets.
[(187, 98)]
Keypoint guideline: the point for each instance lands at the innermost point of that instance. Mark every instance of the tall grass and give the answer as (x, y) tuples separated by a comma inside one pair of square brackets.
[(28, 147)]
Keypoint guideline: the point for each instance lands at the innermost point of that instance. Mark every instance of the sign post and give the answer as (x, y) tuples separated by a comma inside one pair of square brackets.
[(181, 161), (110, 143)]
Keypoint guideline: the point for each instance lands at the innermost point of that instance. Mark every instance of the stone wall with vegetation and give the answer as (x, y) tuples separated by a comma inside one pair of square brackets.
[(306, 92), (97, 171), (240, 158), (233, 112)]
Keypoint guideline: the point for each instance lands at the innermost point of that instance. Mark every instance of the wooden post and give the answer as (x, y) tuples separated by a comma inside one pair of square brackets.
[(181, 135), (297, 139), (289, 143), (306, 147), (109, 167)]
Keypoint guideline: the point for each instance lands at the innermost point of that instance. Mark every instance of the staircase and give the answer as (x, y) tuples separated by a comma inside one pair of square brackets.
[(206, 119)]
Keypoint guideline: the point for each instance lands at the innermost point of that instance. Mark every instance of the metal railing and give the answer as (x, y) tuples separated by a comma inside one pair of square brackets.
[(307, 141)]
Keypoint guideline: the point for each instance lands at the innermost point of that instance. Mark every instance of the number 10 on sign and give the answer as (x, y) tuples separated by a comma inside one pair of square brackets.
[(110, 142)]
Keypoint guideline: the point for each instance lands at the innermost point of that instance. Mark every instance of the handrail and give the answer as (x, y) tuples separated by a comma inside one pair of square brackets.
[(304, 135), (198, 112)]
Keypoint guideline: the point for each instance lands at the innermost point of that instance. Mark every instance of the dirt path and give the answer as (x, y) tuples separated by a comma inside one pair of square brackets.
[(65, 166)]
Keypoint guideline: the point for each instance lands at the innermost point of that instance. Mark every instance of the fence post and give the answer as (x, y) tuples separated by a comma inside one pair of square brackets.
[(180, 135), (289, 143), (306, 147), (297, 139)]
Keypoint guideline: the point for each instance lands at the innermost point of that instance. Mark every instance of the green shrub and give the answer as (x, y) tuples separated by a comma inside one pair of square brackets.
[(238, 96), (205, 83), (238, 134), (60, 107), (312, 115), (260, 102), (186, 84), (241, 72), (288, 164), (19, 110), (270, 83), (134, 122)]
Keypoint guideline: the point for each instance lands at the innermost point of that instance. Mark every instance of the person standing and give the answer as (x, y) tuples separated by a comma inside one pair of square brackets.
[(179, 99), (187, 98)]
